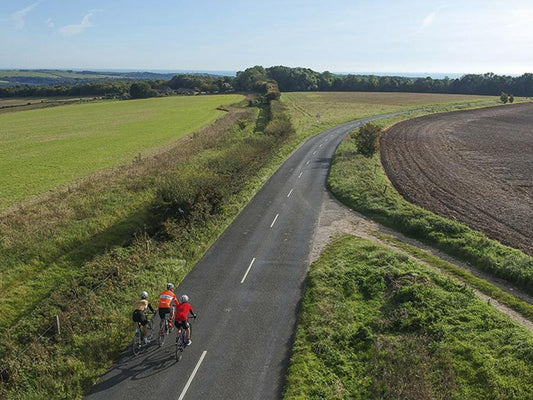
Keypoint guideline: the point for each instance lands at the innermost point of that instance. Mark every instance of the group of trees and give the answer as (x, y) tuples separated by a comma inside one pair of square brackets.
[(287, 79), (305, 79), (126, 88)]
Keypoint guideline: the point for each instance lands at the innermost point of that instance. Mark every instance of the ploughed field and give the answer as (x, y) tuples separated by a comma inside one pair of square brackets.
[(473, 166)]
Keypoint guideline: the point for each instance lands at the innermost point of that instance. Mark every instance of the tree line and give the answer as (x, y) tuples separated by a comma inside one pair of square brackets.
[(287, 79), (305, 79)]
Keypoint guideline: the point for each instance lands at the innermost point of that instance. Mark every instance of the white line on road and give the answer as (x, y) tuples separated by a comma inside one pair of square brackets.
[(308, 161), (192, 375), (314, 152), (248, 270), (301, 173), (273, 222), (289, 195)]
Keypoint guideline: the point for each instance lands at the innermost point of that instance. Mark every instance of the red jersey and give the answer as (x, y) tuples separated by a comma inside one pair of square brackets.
[(182, 312), (166, 299)]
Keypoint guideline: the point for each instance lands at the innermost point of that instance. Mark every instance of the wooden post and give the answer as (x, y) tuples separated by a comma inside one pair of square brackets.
[(58, 327)]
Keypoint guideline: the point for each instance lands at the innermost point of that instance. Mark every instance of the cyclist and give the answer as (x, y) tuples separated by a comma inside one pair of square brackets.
[(167, 302), (180, 318), (139, 313)]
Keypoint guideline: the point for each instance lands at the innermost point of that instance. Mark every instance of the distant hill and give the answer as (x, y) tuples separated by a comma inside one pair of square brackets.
[(52, 77)]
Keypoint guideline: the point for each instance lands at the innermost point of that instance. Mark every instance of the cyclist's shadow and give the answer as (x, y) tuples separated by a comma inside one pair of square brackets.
[(150, 362)]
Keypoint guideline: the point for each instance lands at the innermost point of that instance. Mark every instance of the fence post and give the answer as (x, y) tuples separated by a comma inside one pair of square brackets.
[(58, 326)]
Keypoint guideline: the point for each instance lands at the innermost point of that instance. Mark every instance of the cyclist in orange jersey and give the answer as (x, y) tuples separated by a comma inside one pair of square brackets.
[(167, 302)]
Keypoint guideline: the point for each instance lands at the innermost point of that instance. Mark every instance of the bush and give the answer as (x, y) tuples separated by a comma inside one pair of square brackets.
[(504, 98), (367, 139), (279, 128)]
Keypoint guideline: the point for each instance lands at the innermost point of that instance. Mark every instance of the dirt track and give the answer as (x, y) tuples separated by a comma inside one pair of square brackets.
[(472, 166)]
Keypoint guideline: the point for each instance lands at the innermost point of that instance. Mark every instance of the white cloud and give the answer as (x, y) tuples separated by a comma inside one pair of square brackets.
[(50, 23), (76, 29), (18, 16), (428, 20)]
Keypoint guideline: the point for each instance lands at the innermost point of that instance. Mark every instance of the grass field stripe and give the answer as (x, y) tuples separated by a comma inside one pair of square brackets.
[(248, 270), (273, 222), (289, 195), (182, 395)]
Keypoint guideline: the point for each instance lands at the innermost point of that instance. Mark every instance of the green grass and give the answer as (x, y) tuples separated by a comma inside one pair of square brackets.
[(338, 107), (511, 301), (375, 325), (42, 149), (361, 183)]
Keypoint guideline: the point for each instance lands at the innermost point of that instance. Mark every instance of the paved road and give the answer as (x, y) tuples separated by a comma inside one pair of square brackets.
[(246, 291)]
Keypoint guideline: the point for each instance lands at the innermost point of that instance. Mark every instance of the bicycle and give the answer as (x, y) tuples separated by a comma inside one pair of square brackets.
[(181, 341), (165, 329), (138, 339)]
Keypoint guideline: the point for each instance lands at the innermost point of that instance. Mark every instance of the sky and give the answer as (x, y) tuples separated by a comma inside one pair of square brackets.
[(380, 36)]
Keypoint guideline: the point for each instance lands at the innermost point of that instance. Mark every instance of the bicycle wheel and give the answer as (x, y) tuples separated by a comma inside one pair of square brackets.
[(150, 327), (162, 335), (137, 342), (180, 346)]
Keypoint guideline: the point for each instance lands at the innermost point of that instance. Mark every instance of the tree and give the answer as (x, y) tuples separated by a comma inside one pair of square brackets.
[(504, 97), (367, 139), (141, 90)]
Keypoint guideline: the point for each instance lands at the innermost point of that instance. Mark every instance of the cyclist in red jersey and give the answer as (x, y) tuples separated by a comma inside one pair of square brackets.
[(167, 301), (180, 318)]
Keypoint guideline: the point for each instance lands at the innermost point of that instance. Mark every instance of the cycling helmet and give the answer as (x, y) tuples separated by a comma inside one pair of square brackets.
[(170, 286), (144, 295), (184, 299)]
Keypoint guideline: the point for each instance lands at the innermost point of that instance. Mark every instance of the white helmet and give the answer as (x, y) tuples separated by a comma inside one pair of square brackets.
[(170, 286), (184, 299), (144, 295)]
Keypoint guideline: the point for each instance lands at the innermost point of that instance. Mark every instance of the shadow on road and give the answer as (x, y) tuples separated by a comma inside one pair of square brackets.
[(149, 363)]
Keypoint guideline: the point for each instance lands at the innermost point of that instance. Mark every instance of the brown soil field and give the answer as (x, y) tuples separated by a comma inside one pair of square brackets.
[(472, 166)]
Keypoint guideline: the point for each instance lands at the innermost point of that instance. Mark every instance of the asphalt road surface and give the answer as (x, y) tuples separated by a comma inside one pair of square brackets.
[(246, 291)]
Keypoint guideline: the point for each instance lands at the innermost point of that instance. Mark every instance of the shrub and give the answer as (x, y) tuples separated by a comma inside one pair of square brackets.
[(279, 128), (367, 139), (504, 97)]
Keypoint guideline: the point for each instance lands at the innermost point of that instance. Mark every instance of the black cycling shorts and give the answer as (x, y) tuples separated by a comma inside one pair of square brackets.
[(140, 316), (182, 324), (163, 312)]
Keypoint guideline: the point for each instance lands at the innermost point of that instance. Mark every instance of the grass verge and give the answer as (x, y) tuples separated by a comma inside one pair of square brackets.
[(511, 301), (376, 325)]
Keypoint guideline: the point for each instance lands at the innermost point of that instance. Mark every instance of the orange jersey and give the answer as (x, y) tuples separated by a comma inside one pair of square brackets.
[(166, 299)]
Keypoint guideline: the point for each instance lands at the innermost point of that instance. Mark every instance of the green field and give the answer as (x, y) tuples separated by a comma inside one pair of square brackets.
[(42, 149), (338, 107)]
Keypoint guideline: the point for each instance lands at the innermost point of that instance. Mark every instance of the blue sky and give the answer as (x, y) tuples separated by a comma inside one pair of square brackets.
[(467, 36)]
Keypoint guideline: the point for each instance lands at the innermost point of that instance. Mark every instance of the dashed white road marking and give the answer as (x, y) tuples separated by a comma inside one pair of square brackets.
[(273, 222), (248, 270), (182, 395), (301, 173), (289, 195)]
